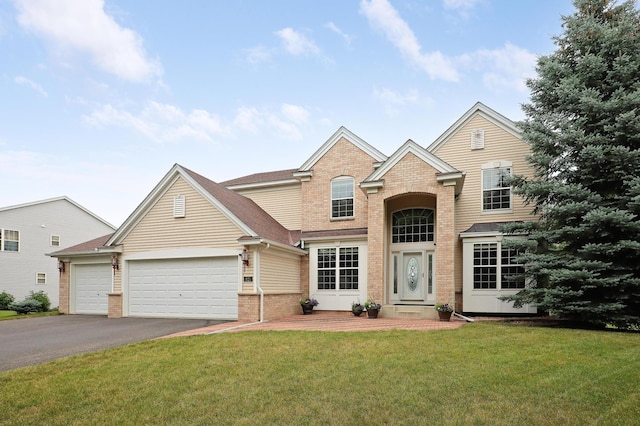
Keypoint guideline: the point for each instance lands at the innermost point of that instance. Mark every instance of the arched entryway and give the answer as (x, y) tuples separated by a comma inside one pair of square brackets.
[(411, 249)]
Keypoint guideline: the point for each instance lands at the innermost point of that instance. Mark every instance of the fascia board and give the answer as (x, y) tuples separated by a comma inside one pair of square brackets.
[(485, 112), (259, 185), (350, 136), (411, 147)]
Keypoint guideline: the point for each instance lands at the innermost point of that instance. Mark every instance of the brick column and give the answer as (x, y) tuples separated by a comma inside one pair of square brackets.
[(375, 249), (445, 246)]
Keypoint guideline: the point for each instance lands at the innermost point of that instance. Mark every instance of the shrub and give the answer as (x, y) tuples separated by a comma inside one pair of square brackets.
[(26, 306), (6, 299), (41, 297)]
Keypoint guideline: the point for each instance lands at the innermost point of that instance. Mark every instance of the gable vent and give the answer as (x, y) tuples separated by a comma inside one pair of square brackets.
[(477, 139), (179, 206)]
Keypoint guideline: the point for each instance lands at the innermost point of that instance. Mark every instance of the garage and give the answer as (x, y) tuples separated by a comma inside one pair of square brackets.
[(92, 286), (184, 288)]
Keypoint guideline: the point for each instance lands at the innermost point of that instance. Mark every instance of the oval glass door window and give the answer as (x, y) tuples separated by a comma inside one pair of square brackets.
[(412, 274)]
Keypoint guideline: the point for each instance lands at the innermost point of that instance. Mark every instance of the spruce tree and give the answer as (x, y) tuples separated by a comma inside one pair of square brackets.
[(583, 125)]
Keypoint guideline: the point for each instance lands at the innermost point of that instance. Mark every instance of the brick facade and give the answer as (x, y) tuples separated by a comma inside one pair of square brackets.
[(63, 304)]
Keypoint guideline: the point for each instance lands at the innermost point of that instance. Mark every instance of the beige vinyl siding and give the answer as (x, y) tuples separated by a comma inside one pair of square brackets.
[(284, 204), (203, 226), (498, 145), (279, 272)]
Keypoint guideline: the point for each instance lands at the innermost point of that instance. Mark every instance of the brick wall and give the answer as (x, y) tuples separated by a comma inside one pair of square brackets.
[(115, 305), (63, 304), (275, 306)]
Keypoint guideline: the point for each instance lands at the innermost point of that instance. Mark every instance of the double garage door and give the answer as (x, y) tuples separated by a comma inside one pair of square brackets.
[(184, 288)]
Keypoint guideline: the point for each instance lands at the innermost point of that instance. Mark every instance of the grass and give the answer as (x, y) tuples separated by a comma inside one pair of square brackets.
[(10, 315), (483, 373)]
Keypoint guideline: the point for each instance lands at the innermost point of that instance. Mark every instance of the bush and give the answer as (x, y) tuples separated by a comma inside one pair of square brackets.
[(5, 300), (41, 297), (26, 306)]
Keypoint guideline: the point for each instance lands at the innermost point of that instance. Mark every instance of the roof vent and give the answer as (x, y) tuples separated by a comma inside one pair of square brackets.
[(477, 139), (179, 206)]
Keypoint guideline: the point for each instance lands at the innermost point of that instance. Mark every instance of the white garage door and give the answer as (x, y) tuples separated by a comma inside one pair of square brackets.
[(92, 286), (184, 288)]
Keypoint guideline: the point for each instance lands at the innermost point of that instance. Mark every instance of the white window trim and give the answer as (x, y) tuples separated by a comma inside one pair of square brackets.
[(51, 238), (38, 276), (502, 164), (353, 188), (3, 240)]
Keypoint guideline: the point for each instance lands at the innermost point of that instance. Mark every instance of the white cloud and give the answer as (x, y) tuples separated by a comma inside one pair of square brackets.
[(383, 16), (167, 123), (258, 54), (389, 96), (460, 4), (296, 43), (333, 27), (84, 26), (24, 81), (506, 68), (162, 122)]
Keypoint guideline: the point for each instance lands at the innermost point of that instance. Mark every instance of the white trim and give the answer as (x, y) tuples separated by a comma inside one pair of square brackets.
[(411, 147), (342, 132), (284, 182), (182, 253), (483, 111)]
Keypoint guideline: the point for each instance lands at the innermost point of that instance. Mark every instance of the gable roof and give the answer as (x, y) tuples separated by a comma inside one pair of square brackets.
[(342, 132), (485, 112), (411, 147), (242, 211), (52, 200)]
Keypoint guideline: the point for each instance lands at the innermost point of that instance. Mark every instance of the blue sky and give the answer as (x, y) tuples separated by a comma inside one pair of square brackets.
[(99, 98)]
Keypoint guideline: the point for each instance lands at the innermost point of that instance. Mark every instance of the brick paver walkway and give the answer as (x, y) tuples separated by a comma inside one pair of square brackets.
[(329, 321)]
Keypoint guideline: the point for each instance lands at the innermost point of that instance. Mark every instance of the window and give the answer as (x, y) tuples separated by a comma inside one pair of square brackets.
[(511, 271), (9, 240), (55, 240), (342, 198), (41, 278), (412, 226), (496, 194), (485, 266), (345, 268)]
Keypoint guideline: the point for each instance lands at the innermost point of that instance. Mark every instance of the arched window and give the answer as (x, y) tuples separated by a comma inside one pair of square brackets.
[(412, 226)]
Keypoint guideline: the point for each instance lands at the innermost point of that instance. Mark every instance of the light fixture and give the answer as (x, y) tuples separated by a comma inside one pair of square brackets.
[(245, 257), (60, 265), (114, 262)]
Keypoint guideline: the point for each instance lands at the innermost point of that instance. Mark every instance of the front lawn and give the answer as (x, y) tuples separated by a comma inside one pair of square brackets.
[(5, 315), (482, 373)]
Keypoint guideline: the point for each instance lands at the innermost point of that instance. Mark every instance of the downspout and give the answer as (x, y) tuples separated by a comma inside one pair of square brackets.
[(467, 319)]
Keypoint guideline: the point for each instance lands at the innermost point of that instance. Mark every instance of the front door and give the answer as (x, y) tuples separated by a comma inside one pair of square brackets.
[(412, 284)]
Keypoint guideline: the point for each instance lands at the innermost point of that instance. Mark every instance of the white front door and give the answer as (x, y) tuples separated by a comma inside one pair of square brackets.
[(412, 280), (412, 284)]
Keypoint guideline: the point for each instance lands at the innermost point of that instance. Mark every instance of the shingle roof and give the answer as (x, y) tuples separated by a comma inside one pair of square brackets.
[(246, 210), (332, 233), (86, 247), (261, 177), (485, 227)]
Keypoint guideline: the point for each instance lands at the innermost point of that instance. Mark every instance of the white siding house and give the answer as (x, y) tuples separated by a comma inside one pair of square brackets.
[(29, 231)]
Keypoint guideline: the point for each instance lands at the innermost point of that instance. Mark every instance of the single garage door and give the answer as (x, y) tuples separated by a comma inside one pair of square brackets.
[(184, 288), (92, 286)]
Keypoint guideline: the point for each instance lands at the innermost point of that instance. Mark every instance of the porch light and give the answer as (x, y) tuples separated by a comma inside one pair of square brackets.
[(60, 265), (114, 262), (245, 257)]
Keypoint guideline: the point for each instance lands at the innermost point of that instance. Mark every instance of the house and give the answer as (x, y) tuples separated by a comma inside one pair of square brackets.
[(29, 231), (416, 228)]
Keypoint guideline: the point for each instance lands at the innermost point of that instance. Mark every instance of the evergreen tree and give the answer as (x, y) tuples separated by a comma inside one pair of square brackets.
[(583, 125)]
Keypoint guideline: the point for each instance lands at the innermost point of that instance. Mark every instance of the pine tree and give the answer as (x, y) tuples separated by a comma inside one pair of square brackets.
[(583, 125)]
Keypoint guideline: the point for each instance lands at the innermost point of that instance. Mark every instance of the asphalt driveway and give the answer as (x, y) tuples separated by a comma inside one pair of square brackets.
[(32, 341)]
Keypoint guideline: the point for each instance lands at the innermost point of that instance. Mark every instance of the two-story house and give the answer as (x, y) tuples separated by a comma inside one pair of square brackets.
[(416, 228), (29, 231)]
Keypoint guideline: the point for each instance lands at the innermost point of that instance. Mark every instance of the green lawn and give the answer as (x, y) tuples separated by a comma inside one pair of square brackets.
[(482, 373), (6, 315)]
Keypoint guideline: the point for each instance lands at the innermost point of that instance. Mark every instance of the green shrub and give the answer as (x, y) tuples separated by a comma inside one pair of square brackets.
[(6, 299), (41, 297), (26, 306)]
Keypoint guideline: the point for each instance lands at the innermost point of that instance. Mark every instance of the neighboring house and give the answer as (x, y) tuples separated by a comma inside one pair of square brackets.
[(410, 230), (29, 231)]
